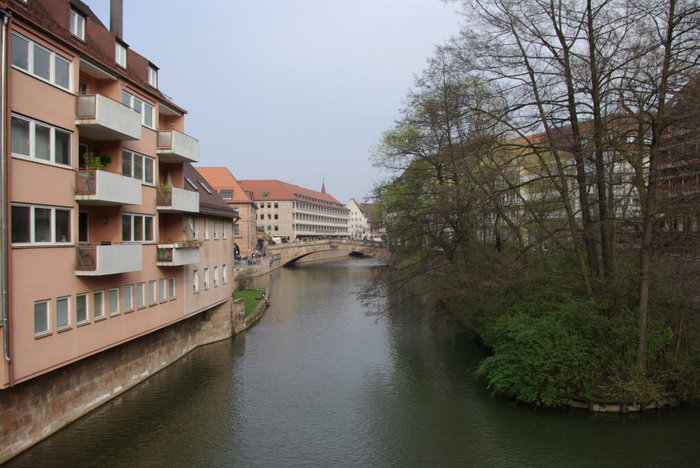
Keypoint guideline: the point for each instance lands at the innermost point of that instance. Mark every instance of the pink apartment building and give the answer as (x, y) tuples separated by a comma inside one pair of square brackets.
[(110, 234)]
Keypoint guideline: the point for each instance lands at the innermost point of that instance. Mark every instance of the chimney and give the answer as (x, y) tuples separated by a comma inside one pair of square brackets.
[(116, 13)]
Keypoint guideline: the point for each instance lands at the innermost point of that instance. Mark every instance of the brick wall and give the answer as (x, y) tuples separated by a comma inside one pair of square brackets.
[(39, 407)]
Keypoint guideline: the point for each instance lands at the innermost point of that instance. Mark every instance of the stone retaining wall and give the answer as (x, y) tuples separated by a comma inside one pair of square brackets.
[(39, 407)]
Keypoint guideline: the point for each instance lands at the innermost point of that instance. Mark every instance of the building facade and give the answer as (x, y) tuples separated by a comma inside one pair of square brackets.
[(96, 251), (292, 212), (359, 220), (244, 228)]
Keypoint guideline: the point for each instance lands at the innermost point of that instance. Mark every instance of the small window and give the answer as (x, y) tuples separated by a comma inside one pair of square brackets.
[(206, 229), (120, 54), (226, 194), (41, 318), (195, 281), (216, 276), (77, 24), (276, 205), (266, 194), (224, 275), (153, 76), (81, 309), (163, 290), (98, 304), (189, 181), (140, 295), (206, 279), (62, 313), (128, 298), (171, 288), (152, 292), (204, 186), (235, 229), (113, 302)]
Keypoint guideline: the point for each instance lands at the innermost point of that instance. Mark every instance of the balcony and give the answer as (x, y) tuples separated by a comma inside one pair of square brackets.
[(95, 187), (99, 260), (177, 200), (177, 254), (176, 147), (103, 119)]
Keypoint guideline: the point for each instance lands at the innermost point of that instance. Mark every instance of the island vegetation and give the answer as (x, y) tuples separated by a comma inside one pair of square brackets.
[(544, 195)]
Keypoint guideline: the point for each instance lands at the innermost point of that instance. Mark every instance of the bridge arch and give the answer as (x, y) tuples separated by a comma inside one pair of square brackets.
[(292, 252)]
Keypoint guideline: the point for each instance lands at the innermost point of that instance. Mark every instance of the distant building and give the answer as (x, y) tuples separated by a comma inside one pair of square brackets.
[(244, 228), (359, 220), (292, 212)]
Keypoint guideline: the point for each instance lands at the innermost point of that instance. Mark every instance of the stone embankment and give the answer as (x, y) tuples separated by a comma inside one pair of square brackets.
[(39, 407)]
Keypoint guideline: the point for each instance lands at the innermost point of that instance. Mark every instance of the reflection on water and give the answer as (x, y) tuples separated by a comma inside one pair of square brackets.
[(319, 382)]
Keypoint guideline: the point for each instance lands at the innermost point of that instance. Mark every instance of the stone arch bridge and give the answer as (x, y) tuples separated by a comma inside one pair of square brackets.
[(291, 252)]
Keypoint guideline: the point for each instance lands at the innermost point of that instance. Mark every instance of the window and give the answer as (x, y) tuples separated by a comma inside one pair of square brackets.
[(137, 228), (41, 318), (216, 229), (77, 24), (268, 204), (276, 216), (40, 225), (224, 230), (40, 142), (195, 281), (113, 302), (152, 76), (171, 288), (269, 216), (140, 106), (83, 226), (269, 228), (224, 275), (137, 166), (276, 228), (120, 54), (206, 279), (40, 62), (140, 295), (163, 292), (235, 229), (262, 216), (216, 276), (98, 304), (81, 309), (226, 194), (206, 229), (152, 292), (276, 205), (128, 298), (193, 226), (204, 186), (189, 181), (62, 313)]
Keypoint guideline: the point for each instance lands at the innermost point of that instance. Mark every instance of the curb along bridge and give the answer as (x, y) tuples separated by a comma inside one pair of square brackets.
[(291, 252)]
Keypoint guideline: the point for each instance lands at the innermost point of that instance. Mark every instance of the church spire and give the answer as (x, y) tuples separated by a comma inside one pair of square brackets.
[(323, 187)]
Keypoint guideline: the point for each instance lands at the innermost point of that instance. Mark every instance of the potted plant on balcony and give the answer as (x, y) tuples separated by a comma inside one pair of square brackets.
[(166, 191), (92, 162)]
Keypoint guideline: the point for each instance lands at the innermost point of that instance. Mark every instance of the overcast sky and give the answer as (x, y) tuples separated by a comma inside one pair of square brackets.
[(295, 90)]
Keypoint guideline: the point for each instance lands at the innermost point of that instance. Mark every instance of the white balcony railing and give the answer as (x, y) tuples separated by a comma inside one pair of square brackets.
[(174, 146), (178, 254), (95, 187), (103, 119), (177, 200), (98, 260)]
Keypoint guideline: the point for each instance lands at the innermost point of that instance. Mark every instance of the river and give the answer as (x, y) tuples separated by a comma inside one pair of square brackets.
[(320, 382)]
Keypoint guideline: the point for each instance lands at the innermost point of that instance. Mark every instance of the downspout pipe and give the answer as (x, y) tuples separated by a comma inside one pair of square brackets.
[(3, 183)]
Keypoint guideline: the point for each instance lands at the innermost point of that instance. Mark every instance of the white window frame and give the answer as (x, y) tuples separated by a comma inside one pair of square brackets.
[(206, 279), (144, 231), (113, 292), (46, 316), (52, 225), (98, 306), (128, 292), (224, 229), (193, 226), (146, 109), (216, 229), (153, 76), (163, 290), (140, 295), (152, 293), (206, 229), (226, 194), (66, 326), (120, 54), (32, 142), (77, 24), (216, 276), (84, 297), (224, 274), (195, 282), (171, 288), (53, 58), (131, 156)]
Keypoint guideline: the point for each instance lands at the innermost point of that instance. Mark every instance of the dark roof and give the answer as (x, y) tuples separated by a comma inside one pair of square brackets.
[(210, 202)]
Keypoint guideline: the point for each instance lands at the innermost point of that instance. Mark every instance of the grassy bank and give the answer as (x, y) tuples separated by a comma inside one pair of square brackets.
[(251, 297)]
